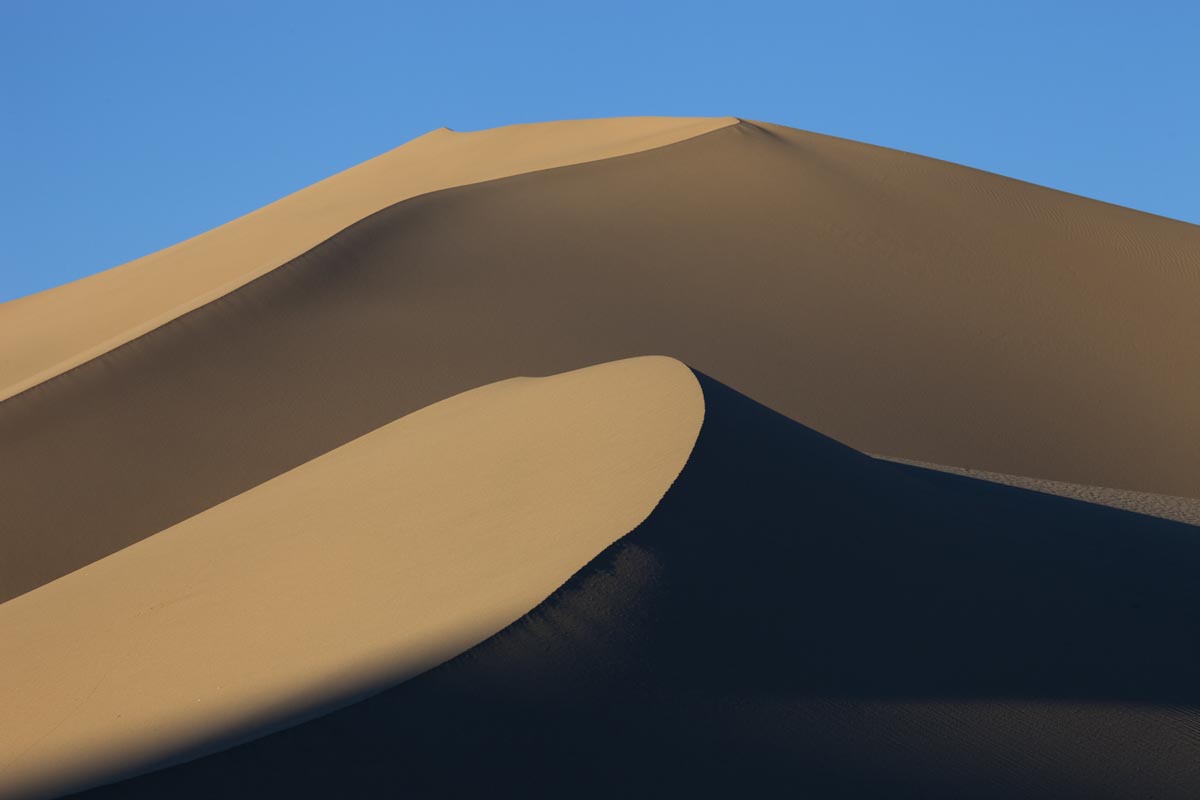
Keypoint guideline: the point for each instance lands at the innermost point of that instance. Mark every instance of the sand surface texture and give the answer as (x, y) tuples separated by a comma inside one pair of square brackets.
[(370, 564)]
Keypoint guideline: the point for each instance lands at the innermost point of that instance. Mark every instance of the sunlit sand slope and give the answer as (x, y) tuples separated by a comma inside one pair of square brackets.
[(797, 619), (370, 564), (50, 332)]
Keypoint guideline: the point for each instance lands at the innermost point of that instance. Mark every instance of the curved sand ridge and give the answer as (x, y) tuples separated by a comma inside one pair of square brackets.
[(50, 332), (796, 618), (368, 565), (791, 613), (908, 307)]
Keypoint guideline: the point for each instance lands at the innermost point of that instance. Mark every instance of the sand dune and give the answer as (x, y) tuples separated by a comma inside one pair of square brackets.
[(372, 563), (248, 547), (110, 308), (906, 306), (796, 618)]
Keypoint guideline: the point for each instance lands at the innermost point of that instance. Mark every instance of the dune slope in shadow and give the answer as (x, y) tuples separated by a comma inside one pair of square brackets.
[(375, 562), (905, 306), (1180, 509), (796, 618)]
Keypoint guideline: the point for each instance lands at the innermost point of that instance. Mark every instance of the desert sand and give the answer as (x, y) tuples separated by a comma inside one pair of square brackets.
[(278, 516), (1180, 509), (796, 618), (112, 307), (376, 561), (905, 306)]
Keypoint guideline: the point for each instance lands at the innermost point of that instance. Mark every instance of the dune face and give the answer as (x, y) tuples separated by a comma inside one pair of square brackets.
[(905, 306), (370, 564), (277, 519), (113, 307), (796, 618)]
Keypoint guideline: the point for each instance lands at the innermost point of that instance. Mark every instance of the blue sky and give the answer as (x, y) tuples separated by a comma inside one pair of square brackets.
[(128, 126)]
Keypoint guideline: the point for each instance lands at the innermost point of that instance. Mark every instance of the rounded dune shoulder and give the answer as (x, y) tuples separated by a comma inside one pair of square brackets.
[(905, 306), (370, 564), (794, 617), (112, 307)]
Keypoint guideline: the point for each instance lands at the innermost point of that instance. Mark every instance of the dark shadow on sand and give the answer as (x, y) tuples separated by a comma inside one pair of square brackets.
[(763, 634)]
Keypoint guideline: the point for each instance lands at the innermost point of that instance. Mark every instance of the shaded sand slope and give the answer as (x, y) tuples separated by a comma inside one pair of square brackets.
[(906, 306), (372, 563), (798, 619), (1180, 509), (50, 332)]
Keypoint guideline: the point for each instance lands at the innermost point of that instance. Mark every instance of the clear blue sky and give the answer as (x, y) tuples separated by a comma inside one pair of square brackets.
[(128, 126)]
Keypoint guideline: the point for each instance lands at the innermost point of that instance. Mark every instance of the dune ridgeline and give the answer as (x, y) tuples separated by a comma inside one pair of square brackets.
[(645, 456)]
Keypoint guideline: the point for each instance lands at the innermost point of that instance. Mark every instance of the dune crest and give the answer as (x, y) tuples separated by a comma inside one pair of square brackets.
[(899, 304), (249, 548), (372, 563), (50, 332), (796, 618)]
